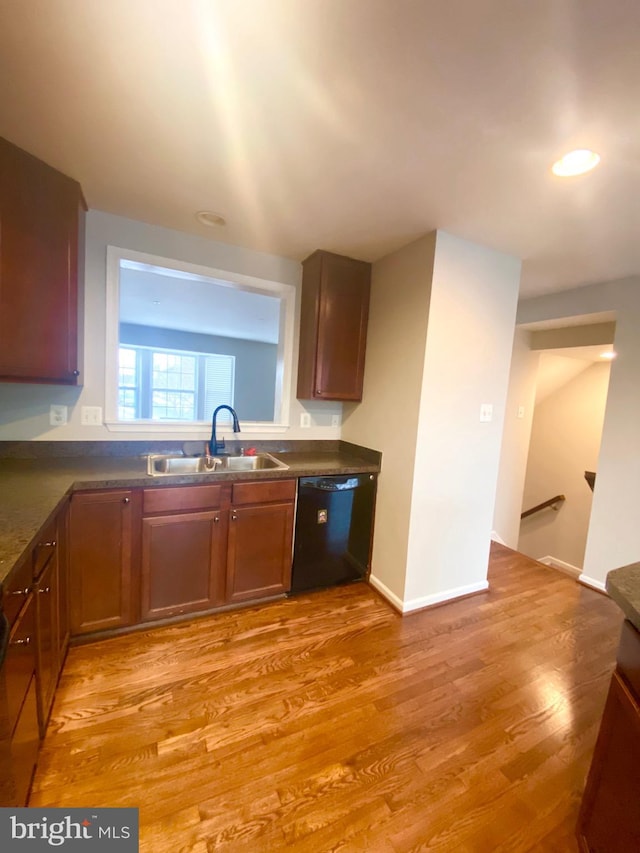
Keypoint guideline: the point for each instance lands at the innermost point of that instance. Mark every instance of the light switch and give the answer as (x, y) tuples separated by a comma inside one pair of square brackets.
[(520, 411), (91, 415), (486, 412), (305, 420), (58, 415)]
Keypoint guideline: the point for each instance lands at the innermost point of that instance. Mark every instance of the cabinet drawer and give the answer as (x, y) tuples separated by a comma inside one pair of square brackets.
[(45, 547), (16, 590), (182, 498), (272, 490)]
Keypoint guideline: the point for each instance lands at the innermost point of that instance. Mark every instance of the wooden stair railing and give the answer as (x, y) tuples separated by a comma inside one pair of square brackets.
[(552, 502)]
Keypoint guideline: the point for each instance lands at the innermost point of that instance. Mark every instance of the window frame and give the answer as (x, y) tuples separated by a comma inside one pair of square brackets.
[(239, 281), (144, 388)]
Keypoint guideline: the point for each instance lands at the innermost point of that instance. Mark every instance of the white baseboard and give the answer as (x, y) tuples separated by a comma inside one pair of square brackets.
[(426, 600), (593, 583), (497, 538), (555, 563), (385, 592)]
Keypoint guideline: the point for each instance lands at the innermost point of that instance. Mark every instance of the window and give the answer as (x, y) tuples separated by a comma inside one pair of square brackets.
[(182, 339), (164, 385), (128, 395)]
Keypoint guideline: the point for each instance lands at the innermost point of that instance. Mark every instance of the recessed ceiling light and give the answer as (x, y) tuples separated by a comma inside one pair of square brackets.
[(208, 217), (609, 355), (576, 163)]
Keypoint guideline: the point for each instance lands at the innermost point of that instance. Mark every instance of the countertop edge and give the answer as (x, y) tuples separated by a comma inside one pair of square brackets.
[(623, 585)]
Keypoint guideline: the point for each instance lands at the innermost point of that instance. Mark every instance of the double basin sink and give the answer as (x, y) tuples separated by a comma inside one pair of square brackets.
[(159, 465)]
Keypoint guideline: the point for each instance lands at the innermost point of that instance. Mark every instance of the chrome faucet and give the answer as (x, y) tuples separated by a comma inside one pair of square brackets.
[(216, 446)]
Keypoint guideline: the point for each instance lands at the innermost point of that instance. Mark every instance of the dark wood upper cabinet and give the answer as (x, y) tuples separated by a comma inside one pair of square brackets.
[(333, 327), (41, 243)]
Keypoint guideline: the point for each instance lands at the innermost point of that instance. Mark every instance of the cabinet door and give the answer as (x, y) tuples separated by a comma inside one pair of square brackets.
[(47, 661), (19, 734), (609, 818), (40, 219), (63, 585), (20, 662), (100, 560), (259, 554), (24, 750), (183, 559), (333, 327)]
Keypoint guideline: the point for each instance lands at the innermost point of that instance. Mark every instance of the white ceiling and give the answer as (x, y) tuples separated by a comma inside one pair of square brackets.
[(349, 125), (192, 303)]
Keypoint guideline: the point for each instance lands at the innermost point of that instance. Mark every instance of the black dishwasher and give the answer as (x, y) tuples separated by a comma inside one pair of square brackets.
[(334, 521)]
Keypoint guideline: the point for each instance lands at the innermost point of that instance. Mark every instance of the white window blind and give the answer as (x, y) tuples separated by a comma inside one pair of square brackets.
[(219, 377)]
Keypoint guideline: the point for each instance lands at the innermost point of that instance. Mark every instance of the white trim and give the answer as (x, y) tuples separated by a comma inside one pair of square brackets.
[(555, 563), (497, 538), (284, 368), (442, 597), (385, 592), (166, 427), (426, 600), (592, 582)]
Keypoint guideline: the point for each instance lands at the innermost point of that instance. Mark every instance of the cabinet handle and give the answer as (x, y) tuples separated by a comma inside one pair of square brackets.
[(45, 591), (216, 519), (75, 373), (23, 642), (51, 544), (24, 591), (234, 517), (126, 500)]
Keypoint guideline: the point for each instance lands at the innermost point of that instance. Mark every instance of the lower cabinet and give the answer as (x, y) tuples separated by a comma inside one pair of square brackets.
[(101, 558), (35, 607), (183, 551), (50, 587), (260, 540), (144, 555), (19, 730), (609, 819), (48, 661)]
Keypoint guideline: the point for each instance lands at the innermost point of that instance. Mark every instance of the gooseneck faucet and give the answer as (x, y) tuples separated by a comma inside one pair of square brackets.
[(216, 446)]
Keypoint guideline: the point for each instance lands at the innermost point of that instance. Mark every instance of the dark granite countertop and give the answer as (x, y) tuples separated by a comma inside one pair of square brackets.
[(32, 489), (623, 585)]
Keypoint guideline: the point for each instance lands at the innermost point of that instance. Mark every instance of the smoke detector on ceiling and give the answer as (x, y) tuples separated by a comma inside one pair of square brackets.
[(210, 219)]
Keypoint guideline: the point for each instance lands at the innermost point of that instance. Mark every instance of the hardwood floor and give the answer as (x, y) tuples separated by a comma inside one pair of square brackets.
[(329, 723)]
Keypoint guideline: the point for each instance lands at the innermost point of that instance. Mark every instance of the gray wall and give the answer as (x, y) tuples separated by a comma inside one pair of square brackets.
[(255, 363)]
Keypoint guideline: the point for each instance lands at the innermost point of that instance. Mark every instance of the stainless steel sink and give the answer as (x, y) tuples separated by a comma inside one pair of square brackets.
[(259, 462), (160, 465)]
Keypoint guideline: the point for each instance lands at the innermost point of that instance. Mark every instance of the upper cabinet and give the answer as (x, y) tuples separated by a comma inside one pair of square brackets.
[(333, 327), (41, 241)]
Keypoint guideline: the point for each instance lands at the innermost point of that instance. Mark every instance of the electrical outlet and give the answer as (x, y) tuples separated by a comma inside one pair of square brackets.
[(486, 412), (520, 411), (58, 415), (305, 420), (91, 415), (335, 420)]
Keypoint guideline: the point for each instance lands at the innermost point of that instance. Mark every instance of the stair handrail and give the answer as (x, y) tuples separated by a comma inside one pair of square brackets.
[(551, 502)]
